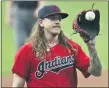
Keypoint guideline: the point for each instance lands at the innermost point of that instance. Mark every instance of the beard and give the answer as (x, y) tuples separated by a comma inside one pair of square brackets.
[(55, 34), (56, 30)]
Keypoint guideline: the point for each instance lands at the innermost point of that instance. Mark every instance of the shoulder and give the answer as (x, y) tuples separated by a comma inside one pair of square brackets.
[(25, 49), (24, 52)]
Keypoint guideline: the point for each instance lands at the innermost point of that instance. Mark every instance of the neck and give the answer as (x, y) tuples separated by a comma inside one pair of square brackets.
[(51, 40)]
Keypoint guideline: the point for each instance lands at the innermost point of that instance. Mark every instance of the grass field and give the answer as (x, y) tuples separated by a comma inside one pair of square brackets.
[(71, 7)]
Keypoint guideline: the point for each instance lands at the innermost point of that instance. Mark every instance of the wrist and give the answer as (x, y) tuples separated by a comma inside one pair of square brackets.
[(92, 46)]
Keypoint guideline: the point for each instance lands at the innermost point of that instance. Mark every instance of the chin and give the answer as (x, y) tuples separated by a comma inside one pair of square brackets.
[(55, 33)]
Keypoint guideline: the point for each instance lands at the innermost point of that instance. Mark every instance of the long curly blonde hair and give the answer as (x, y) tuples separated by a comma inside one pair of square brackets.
[(38, 41)]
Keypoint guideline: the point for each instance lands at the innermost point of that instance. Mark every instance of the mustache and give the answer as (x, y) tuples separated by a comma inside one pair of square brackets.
[(57, 26)]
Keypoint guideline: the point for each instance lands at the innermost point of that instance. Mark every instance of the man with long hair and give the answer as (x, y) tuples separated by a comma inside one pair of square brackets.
[(49, 58)]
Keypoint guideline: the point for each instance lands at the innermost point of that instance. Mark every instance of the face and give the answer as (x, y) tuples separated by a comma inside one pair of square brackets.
[(52, 24)]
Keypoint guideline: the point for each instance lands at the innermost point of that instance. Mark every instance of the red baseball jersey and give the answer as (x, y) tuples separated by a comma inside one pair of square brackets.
[(58, 69)]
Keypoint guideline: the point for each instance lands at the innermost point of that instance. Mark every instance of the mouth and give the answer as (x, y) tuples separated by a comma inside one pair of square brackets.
[(56, 27)]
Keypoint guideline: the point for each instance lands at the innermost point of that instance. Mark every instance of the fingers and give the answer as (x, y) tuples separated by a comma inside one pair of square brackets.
[(85, 37)]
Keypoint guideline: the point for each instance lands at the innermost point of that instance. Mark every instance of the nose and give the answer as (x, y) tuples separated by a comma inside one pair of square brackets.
[(57, 21)]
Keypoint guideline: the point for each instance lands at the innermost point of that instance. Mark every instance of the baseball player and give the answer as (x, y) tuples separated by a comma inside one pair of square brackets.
[(49, 58)]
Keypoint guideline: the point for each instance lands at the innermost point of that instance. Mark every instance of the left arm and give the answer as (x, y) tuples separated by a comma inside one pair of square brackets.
[(95, 64)]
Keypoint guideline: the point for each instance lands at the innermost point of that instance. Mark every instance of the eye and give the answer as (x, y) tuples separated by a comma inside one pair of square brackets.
[(55, 18), (60, 18), (51, 17)]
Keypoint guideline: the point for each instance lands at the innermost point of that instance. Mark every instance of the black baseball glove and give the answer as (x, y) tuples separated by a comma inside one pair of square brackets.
[(87, 29)]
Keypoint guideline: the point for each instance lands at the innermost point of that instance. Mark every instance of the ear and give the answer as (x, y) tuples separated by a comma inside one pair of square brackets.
[(40, 22)]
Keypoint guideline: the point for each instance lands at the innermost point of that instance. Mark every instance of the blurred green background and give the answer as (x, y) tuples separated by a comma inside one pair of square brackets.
[(71, 7)]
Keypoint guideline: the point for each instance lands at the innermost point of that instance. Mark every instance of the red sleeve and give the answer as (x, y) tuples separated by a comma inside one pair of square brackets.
[(22, 62), (82, 62)]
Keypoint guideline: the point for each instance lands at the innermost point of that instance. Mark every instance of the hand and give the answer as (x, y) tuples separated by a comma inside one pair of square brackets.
[(9, 21), (87, 29), (35, 13), (85, 37)]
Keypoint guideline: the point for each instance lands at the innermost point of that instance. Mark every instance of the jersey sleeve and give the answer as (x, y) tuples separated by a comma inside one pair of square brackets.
[(22, 63), (82, 62)]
